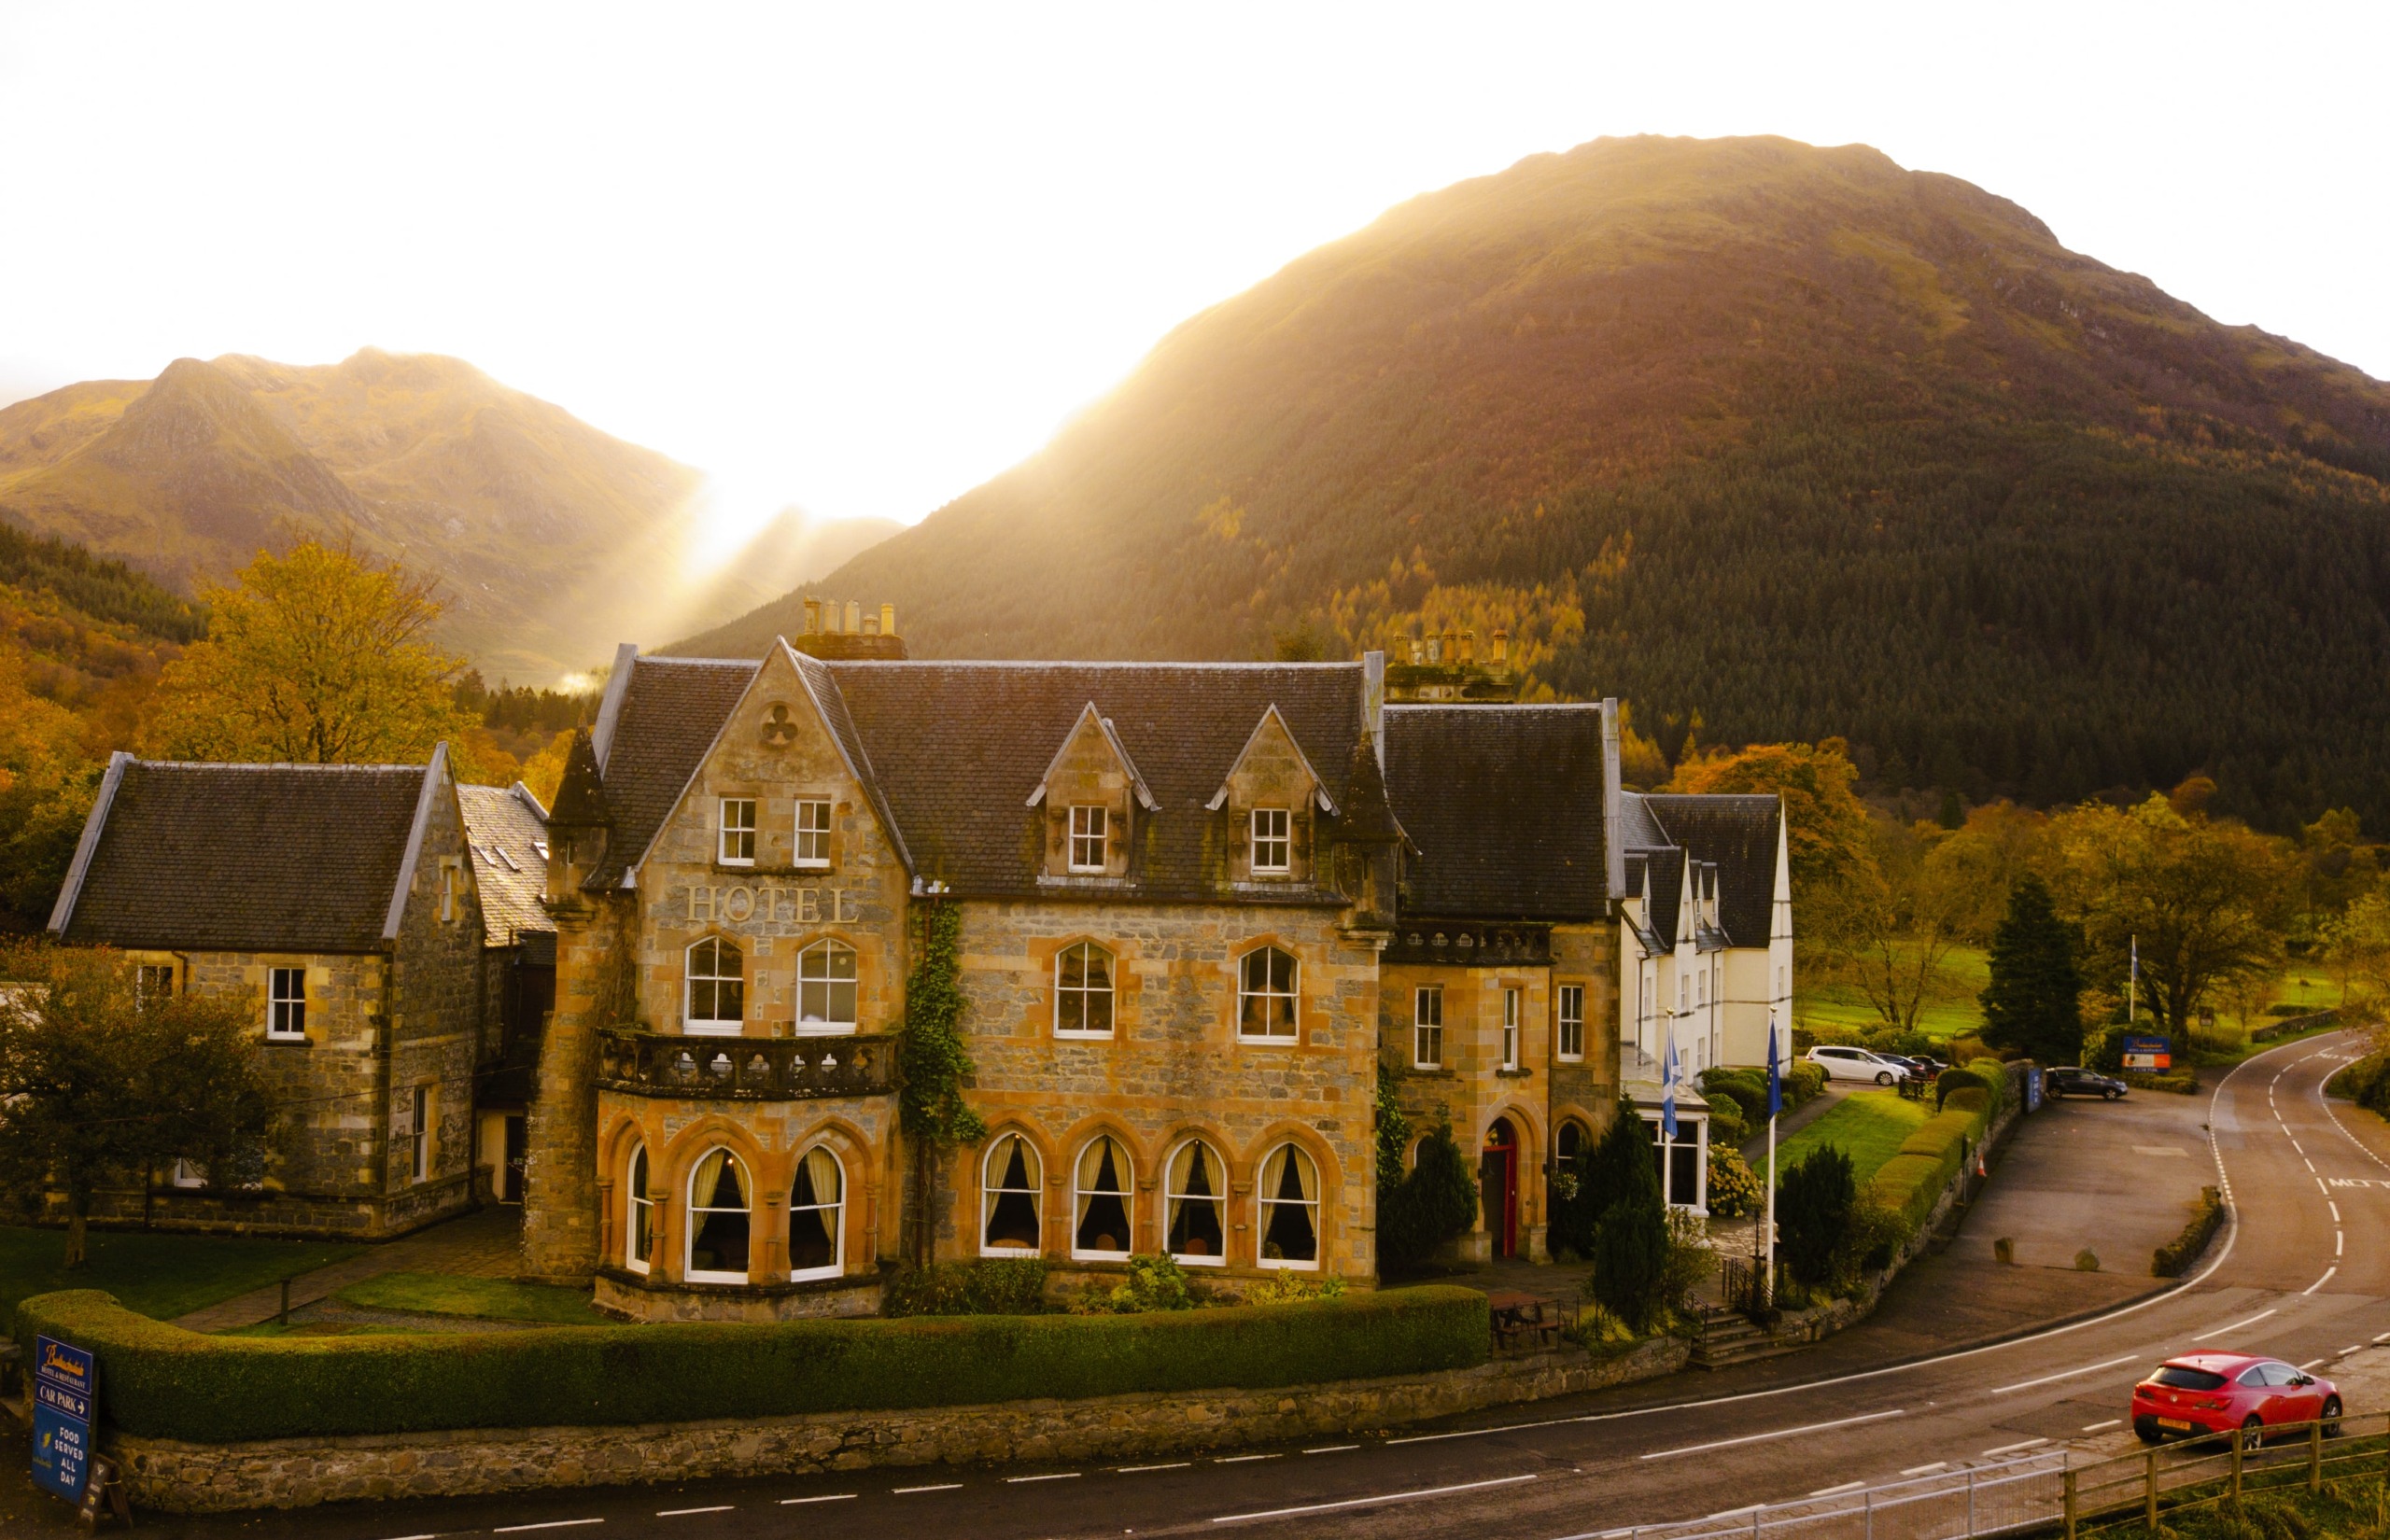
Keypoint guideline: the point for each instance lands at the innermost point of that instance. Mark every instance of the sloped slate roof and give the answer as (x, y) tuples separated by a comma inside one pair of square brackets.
[(1736, 834), (671, 710), (1664, 907), (1504, 803), (957, 747), (506, 829), (247, 858)]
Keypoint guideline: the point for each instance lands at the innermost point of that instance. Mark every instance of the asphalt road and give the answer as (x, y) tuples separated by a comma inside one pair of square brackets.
[(2304, 1275)]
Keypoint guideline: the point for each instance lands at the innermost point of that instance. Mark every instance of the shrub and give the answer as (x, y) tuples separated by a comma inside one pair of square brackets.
[(996, 1286), (1804, 1083), (1875, 1236), (1726, 1124), (1989, 1075), (2174, 1258), (1971, 1098), (1813, 1206), (159, 1381), (2366, 1083), (1154, 1284), (1688, 1259), (1437, 1202), (2284, 1008), (1735, 1191), (2183, 1084), (1631, 1258), (1282, 1287)]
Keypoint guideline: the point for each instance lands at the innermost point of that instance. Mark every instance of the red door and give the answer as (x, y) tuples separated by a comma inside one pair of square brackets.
[(1502, 1187)]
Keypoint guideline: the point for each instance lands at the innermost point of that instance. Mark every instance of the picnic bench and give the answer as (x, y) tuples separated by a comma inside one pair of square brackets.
[(1523, 1321)]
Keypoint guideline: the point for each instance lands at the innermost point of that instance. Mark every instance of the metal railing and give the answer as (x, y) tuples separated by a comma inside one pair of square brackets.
[(2056, 1490), (746, 1068)]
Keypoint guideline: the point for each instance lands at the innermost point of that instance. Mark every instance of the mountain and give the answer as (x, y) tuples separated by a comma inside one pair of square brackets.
[(795, 547), (1782, 440), (547, 535)]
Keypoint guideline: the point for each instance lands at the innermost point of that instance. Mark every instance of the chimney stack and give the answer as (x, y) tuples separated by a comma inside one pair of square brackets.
[(887, 620), (854, 616), (1469, 646), (1501, 647), (812, 617)]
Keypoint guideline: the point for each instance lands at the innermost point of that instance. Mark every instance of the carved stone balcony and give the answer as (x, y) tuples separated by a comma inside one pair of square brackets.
[(746, 1068)]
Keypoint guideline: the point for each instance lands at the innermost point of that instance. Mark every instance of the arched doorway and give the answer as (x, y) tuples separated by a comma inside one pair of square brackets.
[(1498, 1182)]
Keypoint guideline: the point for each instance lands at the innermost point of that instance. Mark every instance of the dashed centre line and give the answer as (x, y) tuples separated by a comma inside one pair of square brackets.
[(684, 1513), (1055, 1476), (833, 1497), (942, 1486)]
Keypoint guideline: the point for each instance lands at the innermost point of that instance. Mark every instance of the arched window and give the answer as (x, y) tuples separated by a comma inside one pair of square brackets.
[(1289, 1193), (1011, 1181), (1572, 1140), (1195, 1199), (718, 1220), (1100, 1199), (638, 1218), (816, 1211), (717, 1002), (1083, 992), (1265, 994), (825, 987)]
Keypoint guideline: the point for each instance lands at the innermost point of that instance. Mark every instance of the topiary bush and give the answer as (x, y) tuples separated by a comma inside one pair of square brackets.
[(1813, 1205), (1436, 1202), (159, 1381), (1631, 1258)]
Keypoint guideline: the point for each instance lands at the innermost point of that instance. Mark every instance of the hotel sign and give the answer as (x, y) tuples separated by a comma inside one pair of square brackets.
[(773, 905), (65, 1383)]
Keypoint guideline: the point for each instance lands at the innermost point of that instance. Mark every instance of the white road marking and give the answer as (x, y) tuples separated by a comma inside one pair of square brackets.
[(2231, 1326), (2308, 1364), (2308, 1164), (1780, 1432), (2321, 1281), (1332, 1449), (1133, 1470), (1927, 1470), (684, 1513), (2048, 1379), (2384, 1338), (2336, 1209), (1821, 1491), (1241, 1458), (943, 1486), (551, 1524), (1057, 1476), (2346, 1352), (1371, 1502), (2012, 1449), (834, 1497), (1747, 1508), (2296, 1145), (2339, 1242), (2160, 1152), (2111, 1422)]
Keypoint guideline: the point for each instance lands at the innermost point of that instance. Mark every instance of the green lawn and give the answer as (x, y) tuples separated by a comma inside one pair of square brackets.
[(157, 1274), (1868, 1125), (1968, 968), (483, 1299)]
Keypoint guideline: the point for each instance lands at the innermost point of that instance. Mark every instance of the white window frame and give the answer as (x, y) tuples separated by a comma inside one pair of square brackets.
[(153, 981), (835, 1224), (1034, 1170), (1091, 828), (1273, 838), (419, 1131), (1514, 1002), (735, 845), (1263, 1202), (1171, 1196), (1087, 993), (1427, 1026), (638, 1206), (1571, 1005), (689, 1270), (286, 1005), (714, 1024), (1124, 1167), (828, 949), (1292, 994), (813, 834), (447, 892)]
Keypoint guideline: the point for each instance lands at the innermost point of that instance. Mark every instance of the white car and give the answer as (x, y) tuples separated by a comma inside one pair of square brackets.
[(1840, 1063)]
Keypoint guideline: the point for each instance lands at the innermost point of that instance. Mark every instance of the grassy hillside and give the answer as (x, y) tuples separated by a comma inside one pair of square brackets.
[(1791, 440)]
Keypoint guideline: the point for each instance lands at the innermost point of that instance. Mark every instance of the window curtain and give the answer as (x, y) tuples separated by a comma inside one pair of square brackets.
[(1103, 1217), (1197, 1185), (816, 1206), (643, 1213), (718, 1198), (1290, 1190), (1010, 1198)]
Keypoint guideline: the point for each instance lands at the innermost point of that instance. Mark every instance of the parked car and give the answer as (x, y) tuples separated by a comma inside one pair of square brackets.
[(2073, 1080), (1841, 1063), (2204, 1393), (1927, 1065)]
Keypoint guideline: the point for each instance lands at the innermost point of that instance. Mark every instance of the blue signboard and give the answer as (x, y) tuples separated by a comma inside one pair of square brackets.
[(2148, 1053), (65, 1381)]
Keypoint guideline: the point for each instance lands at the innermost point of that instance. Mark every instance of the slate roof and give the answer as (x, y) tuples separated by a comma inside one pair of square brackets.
[(1504, 804), (247, 858), (1661, 905), (1737, 835), (957, 749), (671, 709), (509, 834)]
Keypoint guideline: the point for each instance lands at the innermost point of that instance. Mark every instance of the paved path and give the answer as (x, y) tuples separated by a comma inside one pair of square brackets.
[(486, 1244)]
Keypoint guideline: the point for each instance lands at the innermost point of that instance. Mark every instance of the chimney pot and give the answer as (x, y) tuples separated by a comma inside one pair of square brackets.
[(812, 616), (871, 625), (854, 616), (1501, 647), (1435, 650), (887, 620), (1469, 646)]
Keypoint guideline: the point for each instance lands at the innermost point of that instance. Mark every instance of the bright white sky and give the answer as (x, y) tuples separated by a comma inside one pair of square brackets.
[(861, 257)]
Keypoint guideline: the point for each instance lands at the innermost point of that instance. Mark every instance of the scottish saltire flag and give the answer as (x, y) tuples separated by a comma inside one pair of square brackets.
[(1668, 1091), (1775, 1074)]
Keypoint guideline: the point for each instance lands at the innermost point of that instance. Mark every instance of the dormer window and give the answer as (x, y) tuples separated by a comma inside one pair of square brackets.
[(1090, 836), (1273, 842), (738, 831), (813, 832)]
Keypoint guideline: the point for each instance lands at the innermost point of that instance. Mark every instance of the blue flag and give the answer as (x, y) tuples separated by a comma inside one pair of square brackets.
[(1668, 1092), (1775, 1074)]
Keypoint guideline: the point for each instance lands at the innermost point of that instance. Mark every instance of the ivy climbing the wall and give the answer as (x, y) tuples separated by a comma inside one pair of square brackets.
[(934, 1062)]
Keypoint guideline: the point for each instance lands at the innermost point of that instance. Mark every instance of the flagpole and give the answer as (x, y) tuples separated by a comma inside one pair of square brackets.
[(1767, 1234)]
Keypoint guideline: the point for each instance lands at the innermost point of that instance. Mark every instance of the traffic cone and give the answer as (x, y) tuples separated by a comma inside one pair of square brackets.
[(1980, 1166)]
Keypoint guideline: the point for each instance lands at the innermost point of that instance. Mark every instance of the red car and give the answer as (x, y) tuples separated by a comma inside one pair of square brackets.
[(2222, 1393)]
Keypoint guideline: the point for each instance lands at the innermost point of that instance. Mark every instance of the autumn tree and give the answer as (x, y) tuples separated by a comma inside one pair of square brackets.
[(1826, 829), (1900, 917), (2356, 948), (103, 1085), (317, 656), (2206, 900), (47, 781)]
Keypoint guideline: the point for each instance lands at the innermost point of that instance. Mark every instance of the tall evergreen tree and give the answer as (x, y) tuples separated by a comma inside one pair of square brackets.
[(2033, 1005)]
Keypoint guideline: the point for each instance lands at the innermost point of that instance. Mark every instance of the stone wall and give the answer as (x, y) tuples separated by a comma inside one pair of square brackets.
[(437, 994), (183, 1477)]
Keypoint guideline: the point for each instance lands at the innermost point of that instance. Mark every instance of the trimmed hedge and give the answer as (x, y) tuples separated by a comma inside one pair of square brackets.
[(160, 1380), (1988, 1075), (2181, 1084), (2174, 1258), (1911, 1182)]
